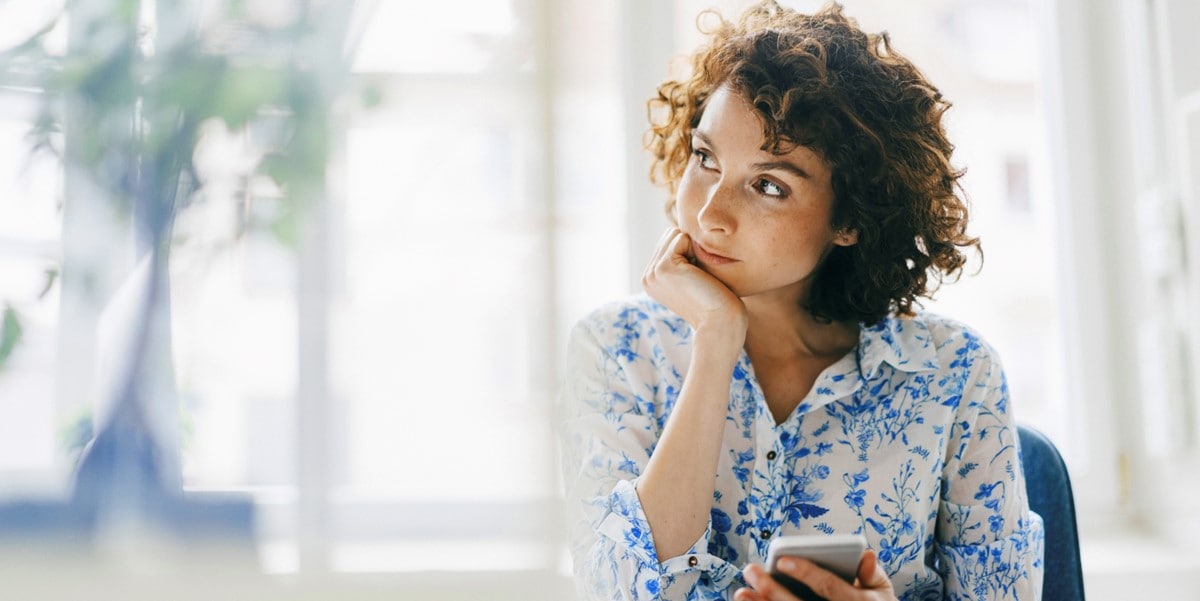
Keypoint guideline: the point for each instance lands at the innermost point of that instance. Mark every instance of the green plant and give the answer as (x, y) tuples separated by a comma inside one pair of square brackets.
[(141, 85), (135, 100), (10, 333)]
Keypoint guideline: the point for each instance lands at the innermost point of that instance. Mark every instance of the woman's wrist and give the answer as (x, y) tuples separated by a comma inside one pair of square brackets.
[(724, 339)]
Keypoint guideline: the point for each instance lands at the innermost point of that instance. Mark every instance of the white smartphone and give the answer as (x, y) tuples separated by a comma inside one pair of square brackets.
[(838, 553)]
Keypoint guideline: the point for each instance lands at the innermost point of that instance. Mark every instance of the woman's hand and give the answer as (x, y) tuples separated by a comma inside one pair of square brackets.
[(872, 583), (693, 294)]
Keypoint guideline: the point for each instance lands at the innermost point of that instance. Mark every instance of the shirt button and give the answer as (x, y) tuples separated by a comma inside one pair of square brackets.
[(771, 455), (693, 561), (765, 534)]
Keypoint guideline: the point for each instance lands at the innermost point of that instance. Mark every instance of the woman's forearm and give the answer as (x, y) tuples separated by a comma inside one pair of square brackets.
[(677, 486)]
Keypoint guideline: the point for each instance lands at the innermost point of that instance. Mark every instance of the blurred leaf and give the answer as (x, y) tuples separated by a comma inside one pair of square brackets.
[(106, 79), (286, 229), (372, 96), (42, 135), (125, 11), (277, 167), (51, 274), (76, 431), (245, 91), (10, 334), (186, 79)]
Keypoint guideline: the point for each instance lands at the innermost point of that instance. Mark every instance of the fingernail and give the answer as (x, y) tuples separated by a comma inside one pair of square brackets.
[(751, 576), (787, 564)]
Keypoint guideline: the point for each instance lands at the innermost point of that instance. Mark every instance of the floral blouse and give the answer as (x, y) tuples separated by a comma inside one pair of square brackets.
[(909, 440)]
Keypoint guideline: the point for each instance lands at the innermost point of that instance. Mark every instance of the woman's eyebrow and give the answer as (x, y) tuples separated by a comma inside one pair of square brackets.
[(783, 165), (766, 166)]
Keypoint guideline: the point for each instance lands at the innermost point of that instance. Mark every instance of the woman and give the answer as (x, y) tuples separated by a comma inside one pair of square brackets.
[(776, 379)]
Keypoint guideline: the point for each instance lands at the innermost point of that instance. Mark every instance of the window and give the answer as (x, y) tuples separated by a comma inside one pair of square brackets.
[(386, 390), (471, 218)]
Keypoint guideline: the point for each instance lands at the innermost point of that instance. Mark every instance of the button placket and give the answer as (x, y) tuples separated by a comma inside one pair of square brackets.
[(777, 475)]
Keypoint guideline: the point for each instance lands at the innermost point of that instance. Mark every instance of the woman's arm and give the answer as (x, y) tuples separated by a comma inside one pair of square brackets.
[(628, 542), (987, 539), (677, 486), (612, 425)]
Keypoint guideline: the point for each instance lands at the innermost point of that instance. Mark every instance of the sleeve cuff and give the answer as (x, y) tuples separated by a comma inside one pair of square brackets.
[(1008, 568), (627, 527), (626, 524)]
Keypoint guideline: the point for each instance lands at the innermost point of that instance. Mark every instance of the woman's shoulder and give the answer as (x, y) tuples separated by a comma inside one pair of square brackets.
[(921, 342), (945, 330), (952, 338)]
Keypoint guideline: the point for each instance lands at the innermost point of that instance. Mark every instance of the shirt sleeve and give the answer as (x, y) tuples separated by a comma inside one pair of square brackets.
[(608, 432), (989, 544)]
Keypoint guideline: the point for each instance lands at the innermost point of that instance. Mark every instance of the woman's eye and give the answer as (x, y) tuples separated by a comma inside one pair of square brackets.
[(705, 161), (770, 188)]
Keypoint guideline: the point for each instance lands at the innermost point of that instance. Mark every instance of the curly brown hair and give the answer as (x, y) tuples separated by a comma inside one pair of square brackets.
[(821, 82)]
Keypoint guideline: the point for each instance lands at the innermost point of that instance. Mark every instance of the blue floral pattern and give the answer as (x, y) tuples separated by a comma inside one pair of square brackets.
[(909, 440)]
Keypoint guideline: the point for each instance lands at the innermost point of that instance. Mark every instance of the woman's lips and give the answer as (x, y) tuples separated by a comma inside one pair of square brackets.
[(710, 258)]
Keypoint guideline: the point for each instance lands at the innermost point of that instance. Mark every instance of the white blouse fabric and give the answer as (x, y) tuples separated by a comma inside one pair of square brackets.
[(909, 440)]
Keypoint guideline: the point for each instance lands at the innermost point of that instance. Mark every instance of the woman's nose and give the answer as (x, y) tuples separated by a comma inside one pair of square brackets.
[(717, 214)]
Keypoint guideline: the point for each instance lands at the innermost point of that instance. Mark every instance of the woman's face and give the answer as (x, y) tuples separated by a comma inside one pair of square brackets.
[(759, 222)]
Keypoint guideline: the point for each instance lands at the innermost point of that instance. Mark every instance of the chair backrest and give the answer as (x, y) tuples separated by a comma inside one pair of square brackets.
[(1050, 496)]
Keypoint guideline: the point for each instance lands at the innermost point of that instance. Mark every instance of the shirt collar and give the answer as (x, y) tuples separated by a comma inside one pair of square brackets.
[(905, 343)]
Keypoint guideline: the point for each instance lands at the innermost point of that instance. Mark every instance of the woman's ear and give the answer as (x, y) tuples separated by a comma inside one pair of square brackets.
[(846, 237)]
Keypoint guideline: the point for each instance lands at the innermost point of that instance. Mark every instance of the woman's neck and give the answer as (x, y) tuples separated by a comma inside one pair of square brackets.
[(780, 329)]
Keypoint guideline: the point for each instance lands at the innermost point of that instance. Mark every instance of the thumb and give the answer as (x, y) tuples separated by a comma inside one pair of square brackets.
[(870, 573)]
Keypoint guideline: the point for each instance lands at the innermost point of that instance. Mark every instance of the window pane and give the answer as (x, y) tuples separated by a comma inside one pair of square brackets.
[(33, 428), (234, 329), (426, 37), (435, 330)]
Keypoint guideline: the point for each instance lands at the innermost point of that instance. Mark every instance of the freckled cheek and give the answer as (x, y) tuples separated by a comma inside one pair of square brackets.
[(688, 202), (795, 248)]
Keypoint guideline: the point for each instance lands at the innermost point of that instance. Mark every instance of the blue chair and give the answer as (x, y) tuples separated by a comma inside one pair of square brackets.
[(1049, 489)]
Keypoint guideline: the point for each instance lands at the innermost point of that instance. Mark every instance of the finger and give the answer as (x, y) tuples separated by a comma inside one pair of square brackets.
[(660, 249), (660, 267), (870, 572), (663, 243), (681, 246), (866, 568), (745, 594), (665, 238), (668, 258), (765, 586), (821, 581)]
